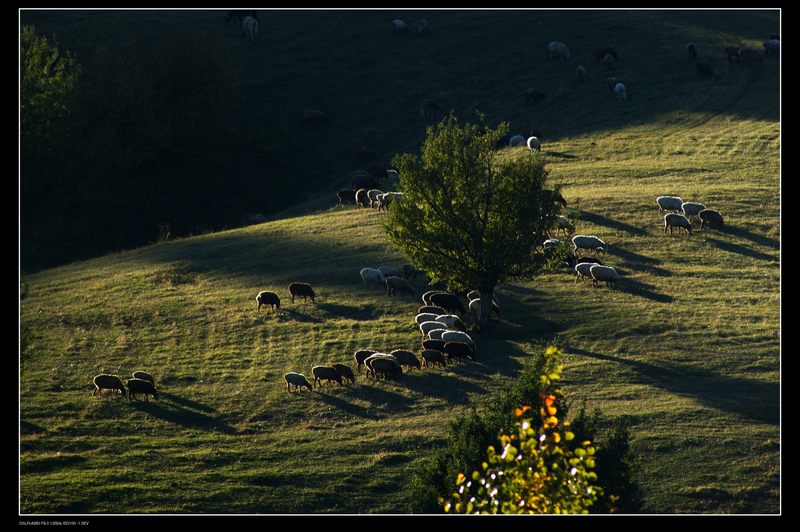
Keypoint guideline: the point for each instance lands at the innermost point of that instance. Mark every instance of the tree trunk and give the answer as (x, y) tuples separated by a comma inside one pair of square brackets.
[(486, 309)]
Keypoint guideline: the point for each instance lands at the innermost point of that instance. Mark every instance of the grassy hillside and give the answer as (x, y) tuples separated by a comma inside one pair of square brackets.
[(688, 347)]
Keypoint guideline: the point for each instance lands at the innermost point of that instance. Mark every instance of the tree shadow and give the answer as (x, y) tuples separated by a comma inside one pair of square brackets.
[(184, 417), (761, 240), (599, 219), (741, 250), (755, 400)]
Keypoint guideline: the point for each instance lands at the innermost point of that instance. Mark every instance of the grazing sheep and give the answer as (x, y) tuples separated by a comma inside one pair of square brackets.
[(772, 48), (431, 343), (436, 334), (428, 108), (108, 382), (458, 336), (433, 357), (516, 141), (422, 317), (346, 196), (620, 92), (558, 50), (426, 297), (420, 27), (298, 380), (373, 196), (406, 358), (143, 375), (362, 199), (398, 26), (475, 294), (325, 373), (475, 307), (554, 197), (751, 55), (383, 364), (140, 386), (268, 298), (345, 371), (606, 274), (389, 198), (588, 242), (560, 222), (534, 144), (302, 289), (692, 50), (704, 69), (396, 284), (603, 52), (582, 270), (361, 179), (430, 309), (708, 216), (669, 203), (551, 243), (427, 326), (388, 271), (361, 356), (458, 350), (692, 209), (313, 116), (732, 52), (372, 275), (449, 302), (533, 96), (451, 321), (580, 73), (250, 27)]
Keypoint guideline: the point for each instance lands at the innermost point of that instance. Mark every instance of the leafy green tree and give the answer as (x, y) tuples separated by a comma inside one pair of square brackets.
[(471, 219), (541, 468)]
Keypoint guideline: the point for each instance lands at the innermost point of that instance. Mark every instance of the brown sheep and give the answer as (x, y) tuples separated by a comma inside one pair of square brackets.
[(345, 372), (302, 289), (449, 302), (708, 216), (325, 373), (433, 357), (406, 358), (458, 350), (381, 364), (144, 376), (437, 345), (268, 298), (398, 284), (361, 356), (141, 386), (108, 382), (426, 297), (362, 198)]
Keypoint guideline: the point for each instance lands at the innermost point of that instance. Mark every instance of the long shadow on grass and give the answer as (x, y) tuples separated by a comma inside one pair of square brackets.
[(753, 399), (755, 238), (741, 250), (382, 401), (182, 416), (290, 314), (360, 313), (185, 402), (604, 221), (641, 289)]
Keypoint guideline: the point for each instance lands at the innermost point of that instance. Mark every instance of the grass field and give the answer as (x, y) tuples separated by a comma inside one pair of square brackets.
[(687, 347)]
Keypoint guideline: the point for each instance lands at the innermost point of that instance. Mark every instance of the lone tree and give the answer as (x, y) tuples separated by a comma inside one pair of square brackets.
[(471, 217)]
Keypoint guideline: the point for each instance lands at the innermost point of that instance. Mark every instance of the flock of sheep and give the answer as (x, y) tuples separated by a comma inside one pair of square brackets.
[(141, 383)]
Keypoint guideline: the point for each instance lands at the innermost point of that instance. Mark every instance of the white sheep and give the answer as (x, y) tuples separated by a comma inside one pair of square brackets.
[(582, 270), (588, 242), (551, 243), (451, 321), (669, 203), (558, 50), (691, 208), (425, 316), (427, 326), (388, 271), (606, 274), (516, 141), (534, 144), (372, 275), (677, 220), (398, 26), (475, 294), (373, 196), (458, 336), (620, 92), (250, 27), (390, 197)]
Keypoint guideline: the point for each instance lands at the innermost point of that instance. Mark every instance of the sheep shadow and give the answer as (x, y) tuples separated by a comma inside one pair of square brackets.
[(26, 427), (360, 313), (641, 289), (755, 238), (182, 416), (741, 250), (639, 263), (290, 314), (442, 383), (560, 155), (604, 221), (753, 399), (194, 405), (381, 401)]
